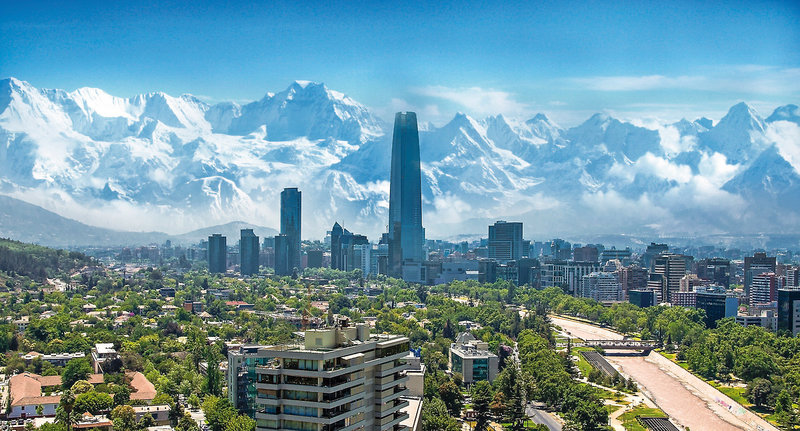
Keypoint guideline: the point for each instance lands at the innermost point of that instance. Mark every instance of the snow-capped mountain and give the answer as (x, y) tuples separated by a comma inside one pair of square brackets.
[(159, 162)]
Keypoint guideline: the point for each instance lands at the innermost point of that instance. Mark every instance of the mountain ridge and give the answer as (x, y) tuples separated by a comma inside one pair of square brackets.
[(165, 163)]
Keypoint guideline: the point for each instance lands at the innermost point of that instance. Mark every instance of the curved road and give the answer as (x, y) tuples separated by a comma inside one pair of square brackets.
[(688, 400)]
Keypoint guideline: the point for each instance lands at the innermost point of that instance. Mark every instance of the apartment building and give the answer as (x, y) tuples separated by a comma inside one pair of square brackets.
[(341, 378)]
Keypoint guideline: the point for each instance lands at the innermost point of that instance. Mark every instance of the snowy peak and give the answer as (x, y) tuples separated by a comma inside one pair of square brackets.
[(741, 117), (738, 135), (785, 113), (304, 109)]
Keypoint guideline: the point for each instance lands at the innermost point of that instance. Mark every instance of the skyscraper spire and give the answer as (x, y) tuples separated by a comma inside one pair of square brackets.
[(405, 195)]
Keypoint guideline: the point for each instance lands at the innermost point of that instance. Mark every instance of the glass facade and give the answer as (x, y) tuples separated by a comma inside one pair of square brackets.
[(405, 192), (480, 369)]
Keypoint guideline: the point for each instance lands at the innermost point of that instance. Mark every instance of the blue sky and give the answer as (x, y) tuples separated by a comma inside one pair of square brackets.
[(568, 59)]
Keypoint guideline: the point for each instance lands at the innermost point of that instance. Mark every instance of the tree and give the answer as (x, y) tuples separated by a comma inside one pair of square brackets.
[(759, 391), (122, 394), (81, 387), (186, 423), (213, 375), (124, 418), (241, 423), (218, 411), (435, 416), (785, 413), (481, 398), (194, 401), (76, 369), (93, 402), (452, 397), (64, 412)]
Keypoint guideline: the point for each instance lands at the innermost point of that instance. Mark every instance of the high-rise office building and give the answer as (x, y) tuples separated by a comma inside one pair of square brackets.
[(290, 225), (715, 269), (248, 252), (585, 254), (505, 241), (339, 378), (347, 249), (217, 253), (405, 195), (764, 288), (601, 286), (789, 311), (283, 264), (672, 267), (759, 263), (650, 254)]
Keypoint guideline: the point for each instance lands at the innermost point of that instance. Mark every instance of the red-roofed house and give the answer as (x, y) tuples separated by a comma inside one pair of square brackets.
[(26, 395)]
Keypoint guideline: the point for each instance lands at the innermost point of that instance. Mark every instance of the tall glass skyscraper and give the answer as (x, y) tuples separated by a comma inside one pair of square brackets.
[(217, 254), (248, 252), (290, 224), (405, 194)]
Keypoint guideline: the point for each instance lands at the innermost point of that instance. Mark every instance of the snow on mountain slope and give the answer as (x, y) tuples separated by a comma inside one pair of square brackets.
[(158, 162)]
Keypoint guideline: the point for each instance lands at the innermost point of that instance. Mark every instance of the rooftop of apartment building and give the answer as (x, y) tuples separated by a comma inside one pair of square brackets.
[(342, 335)]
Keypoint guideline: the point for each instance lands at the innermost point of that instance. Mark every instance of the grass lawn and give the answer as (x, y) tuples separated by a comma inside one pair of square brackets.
[(629, 421), (612, 408), (735, 393)]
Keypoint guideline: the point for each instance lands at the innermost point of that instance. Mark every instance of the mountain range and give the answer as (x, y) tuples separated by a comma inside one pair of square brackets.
[(155, 162)]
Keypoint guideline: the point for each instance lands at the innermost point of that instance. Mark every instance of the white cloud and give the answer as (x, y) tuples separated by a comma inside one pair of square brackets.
[(477, 100), (743, 78), (655, 166), (715, 169), (786, 136)]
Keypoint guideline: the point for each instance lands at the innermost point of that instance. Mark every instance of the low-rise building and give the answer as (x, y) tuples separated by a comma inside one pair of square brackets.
[(472, 359), (159, 413), (101, 354)]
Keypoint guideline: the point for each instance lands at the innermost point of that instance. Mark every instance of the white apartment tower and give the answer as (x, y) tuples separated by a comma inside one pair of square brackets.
[(338, 379)]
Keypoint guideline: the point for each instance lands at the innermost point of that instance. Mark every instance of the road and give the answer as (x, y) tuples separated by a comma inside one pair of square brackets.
[(688, 400), (540, 416)]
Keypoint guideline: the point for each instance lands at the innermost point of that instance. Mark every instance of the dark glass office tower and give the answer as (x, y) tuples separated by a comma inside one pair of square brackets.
[(290, 225), (405, 194), (248, 252), (217, 254)]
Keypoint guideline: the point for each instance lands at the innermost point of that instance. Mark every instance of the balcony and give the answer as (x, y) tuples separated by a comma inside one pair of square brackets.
[(398, 405), (392, 420)]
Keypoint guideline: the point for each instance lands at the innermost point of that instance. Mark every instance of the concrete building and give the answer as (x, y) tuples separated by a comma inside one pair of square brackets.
[(767, 319), (601, 286), (622, 255), (632, 278), (672, 268), (472, 359), (339, 378), (102, 353), (685, 299), (764, 288), (754, 265), (585, 254), (505, 241), (789, 311), (717, 270)]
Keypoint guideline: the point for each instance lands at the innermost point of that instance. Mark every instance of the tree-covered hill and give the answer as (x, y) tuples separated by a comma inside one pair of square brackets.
[(38, 262)]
